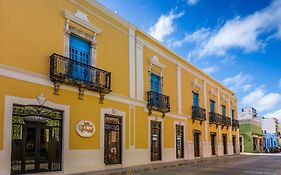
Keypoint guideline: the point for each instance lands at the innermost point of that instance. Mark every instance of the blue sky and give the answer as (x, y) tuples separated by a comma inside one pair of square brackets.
[(237, 42)]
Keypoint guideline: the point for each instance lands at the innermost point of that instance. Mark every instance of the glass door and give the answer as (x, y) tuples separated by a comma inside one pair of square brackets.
[(179, 141), (112, 140), (155, 140)]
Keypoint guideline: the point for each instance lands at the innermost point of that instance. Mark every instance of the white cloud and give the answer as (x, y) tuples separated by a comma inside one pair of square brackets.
[(243, 32), (192, 2), (164, 26), (210, 70), (275, 114), (238, 82), (261, 100), (196, 37)]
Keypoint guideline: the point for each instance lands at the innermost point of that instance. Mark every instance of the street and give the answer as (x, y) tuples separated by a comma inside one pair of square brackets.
[(245, 165)]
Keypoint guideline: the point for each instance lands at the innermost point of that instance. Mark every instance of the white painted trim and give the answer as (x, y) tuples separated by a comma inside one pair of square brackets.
[(5, 157), (139, 70), (132, 63), (73, 17), (158, 119), (113, 111), (173, 60), (179, 89), (31, 77), (98, 16), (207, 113), (107, 12)]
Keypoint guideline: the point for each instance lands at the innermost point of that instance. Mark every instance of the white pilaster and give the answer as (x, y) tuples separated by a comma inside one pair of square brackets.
[(205, 106), (139, 67), (179, 88), (132, 69)]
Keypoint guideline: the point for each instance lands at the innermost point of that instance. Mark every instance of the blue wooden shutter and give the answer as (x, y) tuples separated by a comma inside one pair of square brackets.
[(212, 106), (79, 52), (155, 83), (195, 99), (223, 110)]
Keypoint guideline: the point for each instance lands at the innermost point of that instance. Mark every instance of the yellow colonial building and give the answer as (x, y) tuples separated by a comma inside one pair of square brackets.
[(81, 89)]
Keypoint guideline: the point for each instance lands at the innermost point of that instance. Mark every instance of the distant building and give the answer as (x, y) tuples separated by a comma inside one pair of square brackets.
[(248, 113), (270, 127), (251, 135)]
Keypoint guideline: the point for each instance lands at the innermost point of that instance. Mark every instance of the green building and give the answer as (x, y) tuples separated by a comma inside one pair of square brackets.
[(251, 135)]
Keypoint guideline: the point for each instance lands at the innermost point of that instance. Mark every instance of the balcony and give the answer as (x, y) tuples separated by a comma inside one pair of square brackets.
[(215, 118), (66, 71), (198, 113), (235, 124), (158, 102), (226, 121)]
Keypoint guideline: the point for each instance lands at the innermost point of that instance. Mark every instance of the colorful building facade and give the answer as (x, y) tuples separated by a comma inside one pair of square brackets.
[(251, 136), (82, 90)]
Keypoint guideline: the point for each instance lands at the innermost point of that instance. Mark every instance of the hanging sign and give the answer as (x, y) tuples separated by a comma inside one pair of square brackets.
[(85, 128)]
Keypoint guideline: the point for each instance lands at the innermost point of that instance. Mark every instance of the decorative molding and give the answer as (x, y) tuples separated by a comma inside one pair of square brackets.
[(81, 21), (196, 86), (98, 16), (132, 63), (213, 93), (139, 70), (155, 61), (224, 99)]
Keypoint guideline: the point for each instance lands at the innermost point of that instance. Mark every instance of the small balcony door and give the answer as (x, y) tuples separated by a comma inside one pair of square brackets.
[(195, 99), (79, 52), (223, 111), (212, 106), (179, 141), (155, 82), (196, 136), (155, 141), (213, 143), (113, 140)]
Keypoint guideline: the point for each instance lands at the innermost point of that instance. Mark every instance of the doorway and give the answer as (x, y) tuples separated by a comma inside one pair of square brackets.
[(179, 141), (213, 143), (234, 144), (196, 136), (155, 141), (224, 141), (36, 139), (113, 140)]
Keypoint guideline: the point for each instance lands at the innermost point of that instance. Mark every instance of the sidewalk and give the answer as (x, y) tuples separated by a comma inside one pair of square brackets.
[(261, 154), (143, 168)]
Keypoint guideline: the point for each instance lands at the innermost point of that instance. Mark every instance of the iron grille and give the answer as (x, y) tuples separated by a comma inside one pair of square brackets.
[(158, 102)]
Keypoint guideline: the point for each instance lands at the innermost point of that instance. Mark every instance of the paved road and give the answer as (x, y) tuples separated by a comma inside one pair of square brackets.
[(245, 165)]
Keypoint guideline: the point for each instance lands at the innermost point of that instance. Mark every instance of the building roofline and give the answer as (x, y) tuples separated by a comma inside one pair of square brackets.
[(129, 24)]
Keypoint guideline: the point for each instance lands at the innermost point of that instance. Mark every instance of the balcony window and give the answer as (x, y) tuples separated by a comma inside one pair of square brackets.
[(212, 106), (195, 99), (155, 82)]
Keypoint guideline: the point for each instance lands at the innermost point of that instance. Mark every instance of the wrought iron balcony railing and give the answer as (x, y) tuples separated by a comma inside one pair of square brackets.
[(235, 124), (215, 118), (198, 113), (226, 121), (67, 71), (158, 102)]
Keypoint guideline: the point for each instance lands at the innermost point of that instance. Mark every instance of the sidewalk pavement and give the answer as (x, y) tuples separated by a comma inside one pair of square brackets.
[(148, 167)]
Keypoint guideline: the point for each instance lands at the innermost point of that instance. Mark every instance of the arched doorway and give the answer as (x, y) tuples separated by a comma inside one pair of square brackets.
[(36, 139)]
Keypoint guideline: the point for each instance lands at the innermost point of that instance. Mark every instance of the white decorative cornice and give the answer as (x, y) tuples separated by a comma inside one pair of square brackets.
[(154, 61), (224, 99), (81, 19), (195, 85), (213, 92)]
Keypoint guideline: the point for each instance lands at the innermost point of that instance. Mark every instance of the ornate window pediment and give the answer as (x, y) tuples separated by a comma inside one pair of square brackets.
[(224, 99), (213, 93), (196, 86)]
